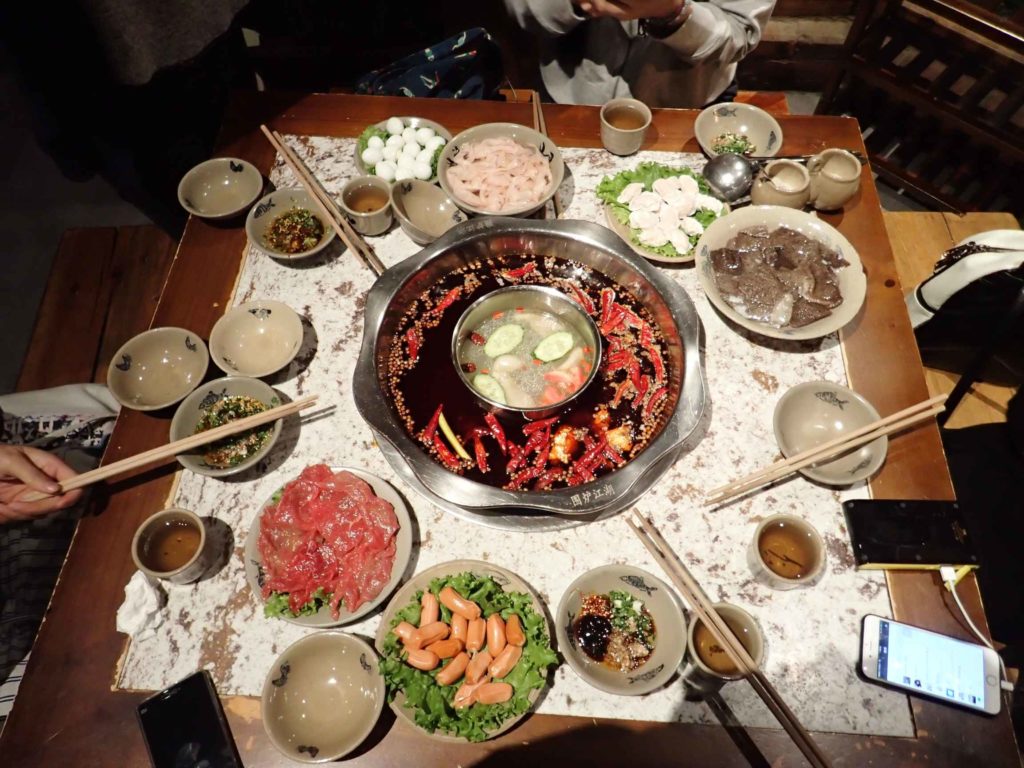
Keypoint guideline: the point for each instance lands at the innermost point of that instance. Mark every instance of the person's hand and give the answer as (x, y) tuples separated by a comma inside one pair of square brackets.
[(625, 10), (24, 470)]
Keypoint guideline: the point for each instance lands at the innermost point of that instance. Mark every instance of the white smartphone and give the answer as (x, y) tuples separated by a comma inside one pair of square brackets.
[(929, 664)]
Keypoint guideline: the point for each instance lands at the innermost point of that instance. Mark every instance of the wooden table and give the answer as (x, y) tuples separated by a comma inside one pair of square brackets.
[(66, 713)]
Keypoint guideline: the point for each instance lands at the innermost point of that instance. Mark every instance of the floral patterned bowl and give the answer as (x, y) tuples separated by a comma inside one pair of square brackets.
[(157, 368)]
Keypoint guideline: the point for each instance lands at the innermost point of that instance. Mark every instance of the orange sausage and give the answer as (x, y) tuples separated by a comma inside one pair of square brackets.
[(495, 634), (432, 632), (475, 635), (504, 661), (424, 660), (460, 627), (477, 668), (456, 603), (493, 693), (514, 631), (404, 630), (429, 610), (466, 695), (456, 668), (446, 649)]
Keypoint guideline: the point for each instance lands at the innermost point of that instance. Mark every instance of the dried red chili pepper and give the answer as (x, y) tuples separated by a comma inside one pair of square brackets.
[(497, 432)]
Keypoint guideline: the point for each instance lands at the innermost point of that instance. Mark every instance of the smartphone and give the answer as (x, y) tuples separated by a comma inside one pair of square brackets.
[(929, 664), (185, 727)]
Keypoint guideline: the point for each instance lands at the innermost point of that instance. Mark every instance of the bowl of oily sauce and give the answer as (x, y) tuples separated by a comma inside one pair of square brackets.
[(171, 545)]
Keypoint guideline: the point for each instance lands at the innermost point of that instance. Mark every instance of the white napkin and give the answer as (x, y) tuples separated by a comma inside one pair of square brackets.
[(142, 610)]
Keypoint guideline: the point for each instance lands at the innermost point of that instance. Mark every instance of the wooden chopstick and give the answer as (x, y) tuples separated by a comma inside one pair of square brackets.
[(893, 423), (167, 452), (701, 605), (541, 126), (325, 203)]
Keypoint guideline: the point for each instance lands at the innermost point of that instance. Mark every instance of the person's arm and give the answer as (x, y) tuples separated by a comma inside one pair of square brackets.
[(23, 470), (552, 17), (723, 30)]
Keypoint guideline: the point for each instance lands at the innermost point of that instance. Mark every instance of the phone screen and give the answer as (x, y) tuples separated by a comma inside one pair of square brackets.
[(184, 727), (933, 664)]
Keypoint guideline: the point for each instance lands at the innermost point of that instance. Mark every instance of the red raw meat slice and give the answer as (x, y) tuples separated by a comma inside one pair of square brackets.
[(328, 531)]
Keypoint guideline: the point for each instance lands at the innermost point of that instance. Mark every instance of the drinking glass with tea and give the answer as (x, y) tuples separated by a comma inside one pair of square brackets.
[(171, 545), (367, 202)]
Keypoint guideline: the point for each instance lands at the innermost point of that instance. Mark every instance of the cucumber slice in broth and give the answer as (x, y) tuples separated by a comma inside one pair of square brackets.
[(489, 387), (554, 346), (504, 340)]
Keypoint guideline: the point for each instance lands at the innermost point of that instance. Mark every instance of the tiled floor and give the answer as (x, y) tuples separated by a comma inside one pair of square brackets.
[(37, 204)]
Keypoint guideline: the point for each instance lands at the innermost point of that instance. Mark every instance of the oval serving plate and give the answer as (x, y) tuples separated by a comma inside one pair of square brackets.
[(410, 122), (509, 581), (623, 231), (323, 617)]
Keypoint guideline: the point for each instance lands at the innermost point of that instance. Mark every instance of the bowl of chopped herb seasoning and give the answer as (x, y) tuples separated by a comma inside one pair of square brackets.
[(286, 224), (219, 402)]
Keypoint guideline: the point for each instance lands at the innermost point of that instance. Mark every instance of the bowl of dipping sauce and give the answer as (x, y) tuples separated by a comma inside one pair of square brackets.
[(171, 545), (287, 224)]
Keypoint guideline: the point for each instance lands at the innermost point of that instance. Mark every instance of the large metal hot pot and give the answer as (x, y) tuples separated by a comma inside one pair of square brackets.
[(592, 245)]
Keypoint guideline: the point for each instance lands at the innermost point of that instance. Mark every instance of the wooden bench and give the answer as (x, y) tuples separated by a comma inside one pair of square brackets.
[(103, 288)]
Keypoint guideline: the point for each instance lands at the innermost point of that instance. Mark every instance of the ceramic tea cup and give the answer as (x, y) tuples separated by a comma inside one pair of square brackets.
[(624, 124), (782, 182), (366, 201), (835, 178), (786, 552), (172, 545), (702, 677)]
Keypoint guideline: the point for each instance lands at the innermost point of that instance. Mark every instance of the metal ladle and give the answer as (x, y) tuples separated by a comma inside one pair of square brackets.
[(732, 175)]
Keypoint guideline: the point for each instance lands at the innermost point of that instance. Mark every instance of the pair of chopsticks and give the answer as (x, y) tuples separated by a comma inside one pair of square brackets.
[(164, 453), (895, 422), (724, 636), (542, 127), (352, 239)]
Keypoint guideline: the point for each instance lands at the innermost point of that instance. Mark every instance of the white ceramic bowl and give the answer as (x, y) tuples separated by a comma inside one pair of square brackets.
[(323, 617), (409, 122), (219, 188), (519, 133), (424, 212), (815, 412), (852, 282), (669, 627), (256, 338), (322, 697), (186, 418), (273, 205), (758, 126), (157, 368)]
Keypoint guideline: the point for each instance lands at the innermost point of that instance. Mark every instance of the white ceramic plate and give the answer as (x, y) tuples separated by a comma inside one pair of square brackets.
[(421, 581), (409, 122), (852, 282), (669, 627), (323, 617)]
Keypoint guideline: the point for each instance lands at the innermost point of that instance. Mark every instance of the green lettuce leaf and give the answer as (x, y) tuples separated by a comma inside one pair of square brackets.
[(276, 606), (431, 703), (363, 141), (610, 187)]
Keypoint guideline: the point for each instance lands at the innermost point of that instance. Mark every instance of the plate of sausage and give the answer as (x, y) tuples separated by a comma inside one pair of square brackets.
[(465, 650)]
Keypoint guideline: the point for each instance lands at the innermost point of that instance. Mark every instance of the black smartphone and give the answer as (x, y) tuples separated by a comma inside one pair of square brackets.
[(185, 727)]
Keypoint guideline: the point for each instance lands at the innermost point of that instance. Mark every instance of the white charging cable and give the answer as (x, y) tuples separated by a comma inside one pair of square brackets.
[(948, 575)]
